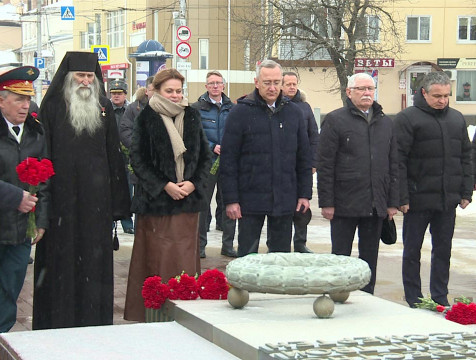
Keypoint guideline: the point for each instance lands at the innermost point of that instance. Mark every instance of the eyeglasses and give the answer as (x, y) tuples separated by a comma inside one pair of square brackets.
[(215, 83), (363, 88), (268, 83)]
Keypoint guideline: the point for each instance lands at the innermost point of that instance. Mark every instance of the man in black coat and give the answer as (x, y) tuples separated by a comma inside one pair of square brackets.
[(74, 264), (132, 111), (290, 90), (358, 172), (13, 197), (21, 136), (265, 163), (435, 176)]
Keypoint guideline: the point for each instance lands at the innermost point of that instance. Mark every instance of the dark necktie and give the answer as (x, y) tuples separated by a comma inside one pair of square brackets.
[(16, 129)]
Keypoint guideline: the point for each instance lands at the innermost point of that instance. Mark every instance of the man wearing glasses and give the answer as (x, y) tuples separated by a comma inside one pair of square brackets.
[(265, 163), (214, 107), (358, 172)]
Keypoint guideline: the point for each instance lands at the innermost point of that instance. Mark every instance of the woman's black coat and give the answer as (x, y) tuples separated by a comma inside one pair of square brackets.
[(153, 162)]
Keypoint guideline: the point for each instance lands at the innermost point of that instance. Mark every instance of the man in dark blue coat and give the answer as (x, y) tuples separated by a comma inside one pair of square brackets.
[(290, 90), (265, 163), (358, 172), (435, 176), (214, 107)]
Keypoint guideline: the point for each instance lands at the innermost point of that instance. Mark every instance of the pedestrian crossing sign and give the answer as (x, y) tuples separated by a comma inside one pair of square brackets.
[(67, 13), (103, 53)]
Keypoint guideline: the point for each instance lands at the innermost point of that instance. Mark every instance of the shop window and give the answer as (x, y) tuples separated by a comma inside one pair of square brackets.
[(467, 28), (466, 86), (418, 28)]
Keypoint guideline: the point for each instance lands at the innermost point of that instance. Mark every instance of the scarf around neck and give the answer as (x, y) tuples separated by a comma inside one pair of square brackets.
[(168, 110)]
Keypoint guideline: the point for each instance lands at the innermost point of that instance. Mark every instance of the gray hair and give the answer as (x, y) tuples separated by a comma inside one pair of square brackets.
[(353, 79), (435, 77), (268, 64), (4, 93), (216, 73)]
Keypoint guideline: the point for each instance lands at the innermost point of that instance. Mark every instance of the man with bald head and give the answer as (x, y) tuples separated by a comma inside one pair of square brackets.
[(358, 172)]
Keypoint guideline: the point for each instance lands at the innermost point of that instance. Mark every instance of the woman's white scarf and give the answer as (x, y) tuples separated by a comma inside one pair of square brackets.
[(167, 110)]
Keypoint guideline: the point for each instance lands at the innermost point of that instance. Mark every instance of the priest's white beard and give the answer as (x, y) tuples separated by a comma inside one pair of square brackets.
[(83, 105)]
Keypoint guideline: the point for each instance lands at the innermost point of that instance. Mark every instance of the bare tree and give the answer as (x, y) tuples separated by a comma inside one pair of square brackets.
[(338, 31)]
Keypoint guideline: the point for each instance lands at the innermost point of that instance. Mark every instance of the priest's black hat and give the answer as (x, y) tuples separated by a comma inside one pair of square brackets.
[(74, 61)]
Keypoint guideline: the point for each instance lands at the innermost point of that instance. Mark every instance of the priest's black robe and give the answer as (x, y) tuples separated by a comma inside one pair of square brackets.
[(73, 278)]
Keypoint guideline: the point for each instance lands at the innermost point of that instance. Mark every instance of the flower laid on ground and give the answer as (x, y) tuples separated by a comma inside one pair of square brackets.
[(183, 287), (212, 285), (33, 172), (463, 312), (154, 292)]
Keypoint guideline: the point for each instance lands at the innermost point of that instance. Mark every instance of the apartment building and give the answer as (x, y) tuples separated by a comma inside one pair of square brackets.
[(435, 35)]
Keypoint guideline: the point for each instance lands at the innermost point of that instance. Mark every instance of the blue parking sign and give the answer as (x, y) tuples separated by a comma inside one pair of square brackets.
[(40, 63)]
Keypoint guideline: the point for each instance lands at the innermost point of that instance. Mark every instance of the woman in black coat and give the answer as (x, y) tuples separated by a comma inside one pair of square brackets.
[(171, 159)]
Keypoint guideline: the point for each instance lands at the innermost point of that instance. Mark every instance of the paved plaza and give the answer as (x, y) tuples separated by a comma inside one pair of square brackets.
[(389, 282)]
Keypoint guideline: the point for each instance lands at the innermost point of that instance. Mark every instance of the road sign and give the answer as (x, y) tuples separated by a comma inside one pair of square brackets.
[(182, 65), (183, 33), (183, 50), (103, 53), (42, 75), (40, 63), (67, 13)]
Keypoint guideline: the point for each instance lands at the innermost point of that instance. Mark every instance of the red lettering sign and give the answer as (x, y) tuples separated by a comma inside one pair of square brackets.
[(374, 63), (115, 66), (138, 26)]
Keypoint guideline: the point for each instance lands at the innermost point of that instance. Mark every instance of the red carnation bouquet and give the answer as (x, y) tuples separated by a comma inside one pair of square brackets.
[(212, 284), (154, 292), (463, 312), (33, 172), (183, 287)]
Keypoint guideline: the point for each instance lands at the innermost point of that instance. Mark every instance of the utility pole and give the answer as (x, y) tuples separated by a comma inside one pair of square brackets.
[(179, 20), (38, 83)]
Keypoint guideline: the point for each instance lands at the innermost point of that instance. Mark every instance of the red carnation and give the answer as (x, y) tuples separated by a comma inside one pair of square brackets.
[(183, 287), (462, 313), (154, 292), (212, 284), (33, 172), (440, 308)]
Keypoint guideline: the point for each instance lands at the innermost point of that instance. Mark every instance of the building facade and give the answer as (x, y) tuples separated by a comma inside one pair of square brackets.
[(435, 35)]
